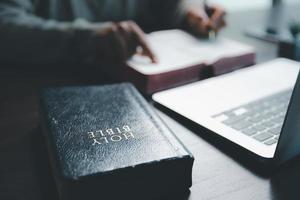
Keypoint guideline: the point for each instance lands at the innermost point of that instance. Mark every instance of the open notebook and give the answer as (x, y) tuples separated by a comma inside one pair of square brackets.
[(183, 58)]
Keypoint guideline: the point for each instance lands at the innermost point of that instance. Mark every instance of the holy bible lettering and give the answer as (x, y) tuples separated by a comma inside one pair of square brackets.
[(117, 134), (129, 148)]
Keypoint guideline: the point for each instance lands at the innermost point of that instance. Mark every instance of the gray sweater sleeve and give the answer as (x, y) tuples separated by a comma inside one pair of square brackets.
[(27, 38), (171, 13)]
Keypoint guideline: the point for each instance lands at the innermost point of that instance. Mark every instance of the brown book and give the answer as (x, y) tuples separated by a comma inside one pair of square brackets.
[(183, 58)]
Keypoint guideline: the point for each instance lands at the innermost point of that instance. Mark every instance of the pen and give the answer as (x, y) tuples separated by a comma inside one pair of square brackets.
[(211, 33)]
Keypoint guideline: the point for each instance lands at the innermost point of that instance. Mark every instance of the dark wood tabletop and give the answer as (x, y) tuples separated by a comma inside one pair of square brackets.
[(220, 171)]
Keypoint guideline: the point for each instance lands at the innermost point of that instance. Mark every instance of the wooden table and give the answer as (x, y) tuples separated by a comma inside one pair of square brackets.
[(219, 171)]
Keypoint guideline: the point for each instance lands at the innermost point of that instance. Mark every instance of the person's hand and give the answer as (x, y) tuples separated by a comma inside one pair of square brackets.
[(121, 41), (201, 21)]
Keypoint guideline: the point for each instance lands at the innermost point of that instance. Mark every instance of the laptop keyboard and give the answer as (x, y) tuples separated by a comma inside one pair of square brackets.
[(261, 119)]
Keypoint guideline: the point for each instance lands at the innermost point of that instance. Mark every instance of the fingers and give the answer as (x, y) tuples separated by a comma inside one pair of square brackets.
[(141, 39), (119, 42), (197, 14), (198, 21), (223, 24), (217, 18), (131, 42), (201, 21), (130, 36)]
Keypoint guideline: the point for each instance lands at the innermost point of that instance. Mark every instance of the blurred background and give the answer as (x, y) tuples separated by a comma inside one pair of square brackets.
[(242, 5)]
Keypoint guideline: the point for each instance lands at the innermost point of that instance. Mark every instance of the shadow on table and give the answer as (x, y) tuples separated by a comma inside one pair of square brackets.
[(285, 183), (240, 155), (25, 172)]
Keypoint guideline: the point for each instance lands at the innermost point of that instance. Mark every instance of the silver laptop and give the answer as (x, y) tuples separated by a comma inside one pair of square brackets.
[(257, 108)]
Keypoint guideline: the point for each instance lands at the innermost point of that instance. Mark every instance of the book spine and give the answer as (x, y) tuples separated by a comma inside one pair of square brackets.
[(226, 65), (176, 78)]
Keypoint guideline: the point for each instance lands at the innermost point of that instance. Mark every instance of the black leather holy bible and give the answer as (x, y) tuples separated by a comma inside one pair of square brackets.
[(106, 142)]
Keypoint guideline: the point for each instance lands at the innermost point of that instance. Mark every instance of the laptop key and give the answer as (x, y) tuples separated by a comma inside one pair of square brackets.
[(259, 127), (267, 124), (249, 131), (241, 125), (277, 119), (260, 119), (240, 111), (262, 136), (270, 142), (256, 119), (233, 120), (275, 130)]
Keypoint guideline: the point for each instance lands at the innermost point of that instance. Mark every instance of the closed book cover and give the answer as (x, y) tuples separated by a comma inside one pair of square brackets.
[(183, 58), (107, 142)]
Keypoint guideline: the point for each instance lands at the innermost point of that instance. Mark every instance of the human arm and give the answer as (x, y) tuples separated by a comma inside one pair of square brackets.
[(27, 38)]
